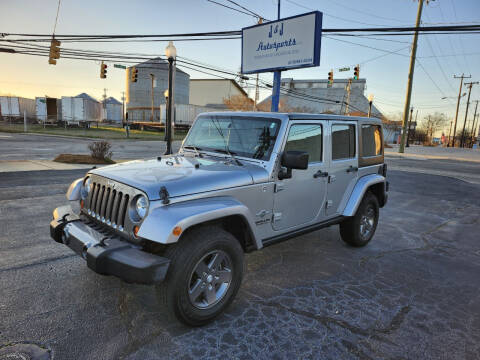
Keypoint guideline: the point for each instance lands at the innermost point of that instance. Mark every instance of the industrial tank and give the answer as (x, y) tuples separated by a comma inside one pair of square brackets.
[(139, 94)]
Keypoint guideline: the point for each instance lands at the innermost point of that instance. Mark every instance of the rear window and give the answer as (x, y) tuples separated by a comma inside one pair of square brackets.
[(343, 141), (371, 140)]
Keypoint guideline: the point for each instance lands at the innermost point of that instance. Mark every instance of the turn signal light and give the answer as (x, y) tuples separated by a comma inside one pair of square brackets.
[(177, 230), (135, 230), (82, 204)]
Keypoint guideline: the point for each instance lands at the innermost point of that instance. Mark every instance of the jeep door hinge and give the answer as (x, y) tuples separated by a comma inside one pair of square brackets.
[(277, 188), (328, 204)]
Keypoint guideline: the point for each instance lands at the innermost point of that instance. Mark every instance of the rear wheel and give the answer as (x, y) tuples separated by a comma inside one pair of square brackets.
[(359, 229), (205, 273)]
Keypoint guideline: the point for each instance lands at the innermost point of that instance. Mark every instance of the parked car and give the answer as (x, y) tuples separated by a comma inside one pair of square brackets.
[(240, 182)]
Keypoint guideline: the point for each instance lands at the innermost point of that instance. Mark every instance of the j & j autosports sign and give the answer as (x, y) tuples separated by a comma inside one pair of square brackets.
[(288, 43)]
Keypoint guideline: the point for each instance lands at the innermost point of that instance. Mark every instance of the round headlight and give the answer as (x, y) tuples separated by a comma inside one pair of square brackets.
[(141, 206), (86, 187)]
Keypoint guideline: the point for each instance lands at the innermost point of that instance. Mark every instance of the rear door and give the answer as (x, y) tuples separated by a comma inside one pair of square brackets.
[(343, 164), (300, 199)]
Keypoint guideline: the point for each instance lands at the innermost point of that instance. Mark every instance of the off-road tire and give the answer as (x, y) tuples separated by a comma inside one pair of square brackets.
[(184, 257), (350, 229)]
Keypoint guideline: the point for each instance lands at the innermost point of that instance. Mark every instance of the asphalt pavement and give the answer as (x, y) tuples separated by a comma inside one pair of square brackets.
[(412, 293)]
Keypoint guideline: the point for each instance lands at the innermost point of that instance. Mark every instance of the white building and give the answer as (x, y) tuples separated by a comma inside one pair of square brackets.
[(213, 92)]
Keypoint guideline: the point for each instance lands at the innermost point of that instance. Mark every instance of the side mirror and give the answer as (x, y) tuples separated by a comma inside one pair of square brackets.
[(293, 160)]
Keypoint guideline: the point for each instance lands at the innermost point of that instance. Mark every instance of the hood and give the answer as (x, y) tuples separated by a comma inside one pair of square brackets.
[(182, 175)]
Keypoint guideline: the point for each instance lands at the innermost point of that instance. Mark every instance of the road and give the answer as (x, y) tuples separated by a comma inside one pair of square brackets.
[(412, 293)]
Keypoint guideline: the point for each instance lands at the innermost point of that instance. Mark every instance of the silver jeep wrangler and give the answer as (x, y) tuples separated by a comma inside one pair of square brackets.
[(240, 182)]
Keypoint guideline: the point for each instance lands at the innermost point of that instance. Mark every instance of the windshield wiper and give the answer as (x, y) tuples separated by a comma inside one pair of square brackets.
[(226, 151), (194, 148)]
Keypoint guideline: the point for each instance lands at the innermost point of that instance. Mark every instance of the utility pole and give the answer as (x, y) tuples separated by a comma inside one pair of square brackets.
[(276, 79), (348, 95), (472, 133), (153, 79), (470, 84), (410, 76), (449, 132), (409, 126), (458, 105)]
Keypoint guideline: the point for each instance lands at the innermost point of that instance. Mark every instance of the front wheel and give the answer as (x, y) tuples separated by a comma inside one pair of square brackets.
[(359, 229), (206, 270)]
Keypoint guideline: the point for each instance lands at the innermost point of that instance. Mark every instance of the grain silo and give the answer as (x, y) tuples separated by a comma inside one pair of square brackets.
[(139, 94)]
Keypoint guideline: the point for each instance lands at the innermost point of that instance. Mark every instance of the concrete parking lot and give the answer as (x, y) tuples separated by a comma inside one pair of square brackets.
[(412, 293)]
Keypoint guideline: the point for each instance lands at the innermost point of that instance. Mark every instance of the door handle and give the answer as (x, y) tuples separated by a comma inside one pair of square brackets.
[(320, 173), (352, 169)]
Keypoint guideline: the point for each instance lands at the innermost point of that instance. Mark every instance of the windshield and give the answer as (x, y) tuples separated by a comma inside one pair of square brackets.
[(251, 137)]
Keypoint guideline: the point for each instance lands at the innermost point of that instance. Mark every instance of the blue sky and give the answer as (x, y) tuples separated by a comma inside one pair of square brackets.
[(386, 76)]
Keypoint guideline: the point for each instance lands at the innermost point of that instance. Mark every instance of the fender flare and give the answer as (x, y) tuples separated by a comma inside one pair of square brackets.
[(73, 192), (359, 191), (160, 222)]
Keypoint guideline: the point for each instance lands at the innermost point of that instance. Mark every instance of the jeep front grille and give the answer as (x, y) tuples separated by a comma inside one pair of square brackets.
[(108, 205)]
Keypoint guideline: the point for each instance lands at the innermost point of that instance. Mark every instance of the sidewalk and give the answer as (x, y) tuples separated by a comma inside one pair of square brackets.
[(35, 165), (418, 152)]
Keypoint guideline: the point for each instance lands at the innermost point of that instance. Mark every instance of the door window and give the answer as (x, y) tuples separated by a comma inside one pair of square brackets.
[(371, 140), (343, 141), (308, 138)]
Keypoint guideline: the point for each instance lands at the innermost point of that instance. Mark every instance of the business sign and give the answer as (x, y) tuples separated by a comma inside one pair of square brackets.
[(289, 43)]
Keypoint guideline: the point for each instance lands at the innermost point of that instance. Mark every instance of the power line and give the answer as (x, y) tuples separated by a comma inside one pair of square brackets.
[(330, 15), (250, 11), (232, 8)]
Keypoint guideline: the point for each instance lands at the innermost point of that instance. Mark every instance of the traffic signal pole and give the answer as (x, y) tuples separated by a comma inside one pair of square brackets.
[(276, 80), (410, 77)]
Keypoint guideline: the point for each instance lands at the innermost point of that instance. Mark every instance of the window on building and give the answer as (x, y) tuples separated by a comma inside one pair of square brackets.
[(306, 137), (371, 140), (343, 141)]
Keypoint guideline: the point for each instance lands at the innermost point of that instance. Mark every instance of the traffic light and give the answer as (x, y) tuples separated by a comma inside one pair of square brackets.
[(356, 72), (103, 71), (54, 52), (330, 77), (133, 74)]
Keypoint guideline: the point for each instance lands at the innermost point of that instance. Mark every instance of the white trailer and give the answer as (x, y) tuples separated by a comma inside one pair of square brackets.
[(78, 109), (15, 107), (185, 114), (48, 110)]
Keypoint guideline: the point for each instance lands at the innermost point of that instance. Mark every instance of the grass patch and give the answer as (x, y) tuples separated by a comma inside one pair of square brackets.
[(102, 132), (81, 159)]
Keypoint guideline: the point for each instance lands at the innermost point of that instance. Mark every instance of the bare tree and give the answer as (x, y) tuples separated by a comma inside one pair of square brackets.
[(238, 103), (283, 107), (431, 124)]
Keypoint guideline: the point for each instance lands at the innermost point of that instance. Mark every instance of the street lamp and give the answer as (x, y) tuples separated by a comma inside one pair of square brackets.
[(370, 100), (165, 93), (171, 53)]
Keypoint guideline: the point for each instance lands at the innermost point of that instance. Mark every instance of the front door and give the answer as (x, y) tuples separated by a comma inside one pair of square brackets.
[(343, 165), (299, 200)]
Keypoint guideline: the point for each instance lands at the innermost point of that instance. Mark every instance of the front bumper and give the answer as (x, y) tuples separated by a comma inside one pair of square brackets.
[(106, 255)]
